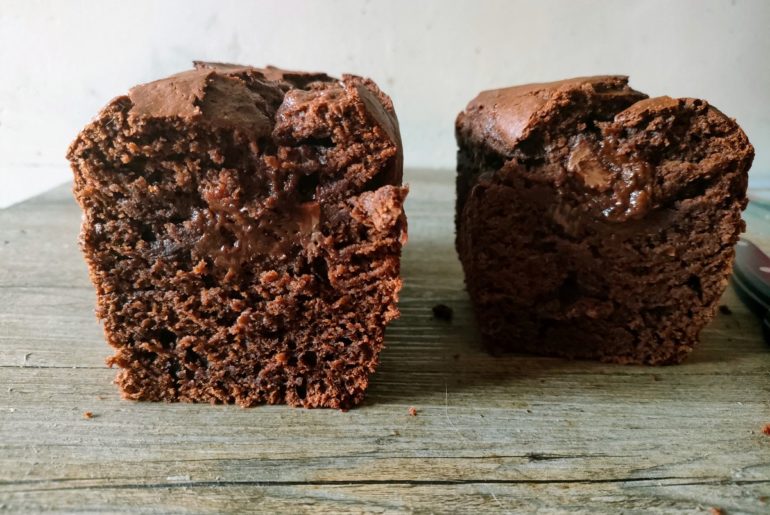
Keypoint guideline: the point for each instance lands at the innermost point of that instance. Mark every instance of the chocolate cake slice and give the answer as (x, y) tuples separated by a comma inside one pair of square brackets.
[(594, 222), (243, 228)]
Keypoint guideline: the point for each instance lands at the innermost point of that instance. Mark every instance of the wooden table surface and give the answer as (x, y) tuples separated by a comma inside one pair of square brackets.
[(510, 434)]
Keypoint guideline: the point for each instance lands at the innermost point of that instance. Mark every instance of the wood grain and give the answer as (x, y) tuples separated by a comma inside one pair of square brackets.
[(510, 434)]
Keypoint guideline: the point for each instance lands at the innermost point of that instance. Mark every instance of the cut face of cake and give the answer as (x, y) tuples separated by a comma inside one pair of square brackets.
[(594, 222), (243, 229)]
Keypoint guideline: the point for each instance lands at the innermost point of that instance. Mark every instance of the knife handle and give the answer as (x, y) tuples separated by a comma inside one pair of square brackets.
[(751, 277)]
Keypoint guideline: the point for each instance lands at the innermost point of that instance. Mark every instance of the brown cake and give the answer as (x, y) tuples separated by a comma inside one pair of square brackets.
[(594, 222), (243, 228)]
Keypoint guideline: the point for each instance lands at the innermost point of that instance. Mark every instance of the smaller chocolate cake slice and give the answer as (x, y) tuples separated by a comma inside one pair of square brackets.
[(243, 228), (594, 222)]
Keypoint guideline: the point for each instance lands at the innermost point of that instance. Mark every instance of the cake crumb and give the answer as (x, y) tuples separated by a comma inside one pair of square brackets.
[(716, 511), (766, 429), (413, 411), (442, 312), (725, 310), (88, 415)]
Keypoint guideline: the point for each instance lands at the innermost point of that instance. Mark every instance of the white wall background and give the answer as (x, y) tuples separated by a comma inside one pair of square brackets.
[(61, 61)]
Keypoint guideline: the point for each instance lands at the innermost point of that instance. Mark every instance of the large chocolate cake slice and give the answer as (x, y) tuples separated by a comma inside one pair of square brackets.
[(243, 229)]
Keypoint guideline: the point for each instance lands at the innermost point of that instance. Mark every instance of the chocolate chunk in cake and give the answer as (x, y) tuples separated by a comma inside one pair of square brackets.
[(243, 229), (594, 222)]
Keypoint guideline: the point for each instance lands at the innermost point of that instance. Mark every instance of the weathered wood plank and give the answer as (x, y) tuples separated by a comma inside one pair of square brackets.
[(390, 498), (515, 433)]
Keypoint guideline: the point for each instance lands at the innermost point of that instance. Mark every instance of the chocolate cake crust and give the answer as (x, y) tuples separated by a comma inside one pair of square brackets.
[(594, 222), (243, 229)]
